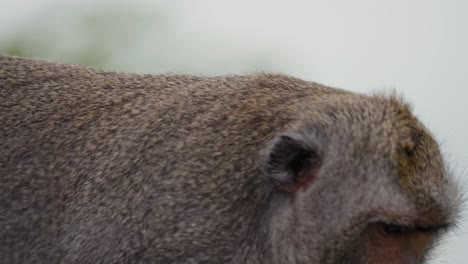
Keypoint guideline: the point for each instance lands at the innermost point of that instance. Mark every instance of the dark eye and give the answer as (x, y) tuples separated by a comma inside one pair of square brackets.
[(392, 229)]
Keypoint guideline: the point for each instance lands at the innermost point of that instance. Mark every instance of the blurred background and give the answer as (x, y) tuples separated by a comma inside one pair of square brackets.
[(419, 48)]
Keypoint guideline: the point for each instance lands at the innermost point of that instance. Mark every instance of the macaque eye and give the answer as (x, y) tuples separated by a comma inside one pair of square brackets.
[(392, 229)]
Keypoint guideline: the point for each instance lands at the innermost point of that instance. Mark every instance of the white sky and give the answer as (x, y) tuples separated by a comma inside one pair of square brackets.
[(418, 47)]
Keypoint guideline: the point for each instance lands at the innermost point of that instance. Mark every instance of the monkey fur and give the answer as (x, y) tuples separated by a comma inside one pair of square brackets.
[(105, 167)]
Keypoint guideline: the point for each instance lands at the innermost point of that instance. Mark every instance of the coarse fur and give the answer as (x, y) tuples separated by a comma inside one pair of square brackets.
[(104, 167)]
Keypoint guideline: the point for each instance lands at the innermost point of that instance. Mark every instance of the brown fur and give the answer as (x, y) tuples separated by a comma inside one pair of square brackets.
[(103, 167)]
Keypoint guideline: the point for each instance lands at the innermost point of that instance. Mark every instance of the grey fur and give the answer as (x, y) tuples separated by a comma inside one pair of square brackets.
[(103, 167)]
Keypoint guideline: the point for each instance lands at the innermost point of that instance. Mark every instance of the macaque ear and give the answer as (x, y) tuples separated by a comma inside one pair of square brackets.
[(293, 163)]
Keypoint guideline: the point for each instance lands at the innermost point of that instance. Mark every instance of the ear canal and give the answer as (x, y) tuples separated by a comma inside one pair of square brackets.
[(292, 163)]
